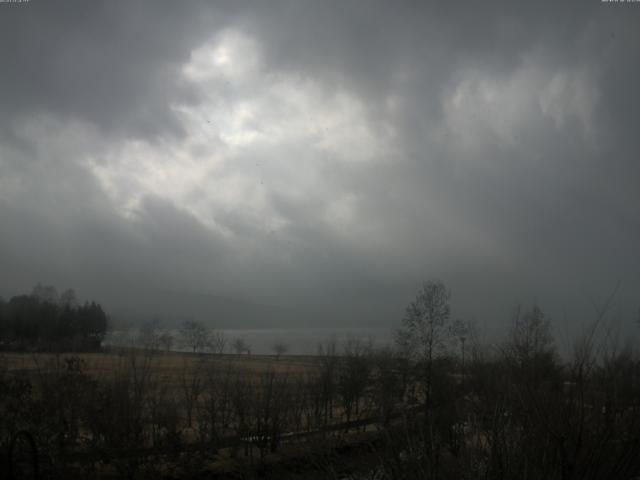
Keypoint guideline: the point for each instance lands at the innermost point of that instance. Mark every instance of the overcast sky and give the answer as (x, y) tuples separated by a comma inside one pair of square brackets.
[(322, 156)]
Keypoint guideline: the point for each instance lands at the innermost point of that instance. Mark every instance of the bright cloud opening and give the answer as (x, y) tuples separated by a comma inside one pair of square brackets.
[(215, 167)]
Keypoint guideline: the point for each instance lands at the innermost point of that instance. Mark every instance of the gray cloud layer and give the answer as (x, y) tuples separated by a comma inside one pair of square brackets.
[(321, 157)]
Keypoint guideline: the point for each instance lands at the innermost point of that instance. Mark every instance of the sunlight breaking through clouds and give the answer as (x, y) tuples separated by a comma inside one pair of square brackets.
[(210, 168)]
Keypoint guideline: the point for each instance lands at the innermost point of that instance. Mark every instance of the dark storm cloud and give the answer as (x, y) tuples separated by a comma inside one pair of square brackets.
[(554, 198), (113, 64), (513, 173)]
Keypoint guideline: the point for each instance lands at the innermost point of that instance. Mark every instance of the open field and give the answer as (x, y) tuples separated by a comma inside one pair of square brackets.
[(122, 412), (166, 364), (143, 413)]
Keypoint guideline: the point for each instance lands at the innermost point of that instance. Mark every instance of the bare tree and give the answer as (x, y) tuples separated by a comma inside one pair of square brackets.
[(191, 385), (423, 336), (217, 342), (531, 347), (45, 293), (68, 298), (280, 348), (216, 413), (327, 380), (166, 341), (195, 335), (387, 384), (354, 375), (270, 408), (461, 332), (425, 329), (148, 336), (240, 346)]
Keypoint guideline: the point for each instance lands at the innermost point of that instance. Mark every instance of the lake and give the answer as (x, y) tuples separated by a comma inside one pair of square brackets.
[(300, 341)]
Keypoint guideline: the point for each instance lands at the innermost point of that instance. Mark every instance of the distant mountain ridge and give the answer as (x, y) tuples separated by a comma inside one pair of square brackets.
[(171, 308)]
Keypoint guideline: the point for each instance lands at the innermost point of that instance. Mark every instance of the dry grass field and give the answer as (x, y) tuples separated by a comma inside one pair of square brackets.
[(167, 365), (175, 397)]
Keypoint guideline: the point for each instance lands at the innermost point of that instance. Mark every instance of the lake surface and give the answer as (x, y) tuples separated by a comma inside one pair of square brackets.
[(300, 341)]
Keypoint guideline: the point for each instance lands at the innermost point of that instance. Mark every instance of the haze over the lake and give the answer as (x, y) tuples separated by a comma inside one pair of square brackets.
[(310, 163)]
